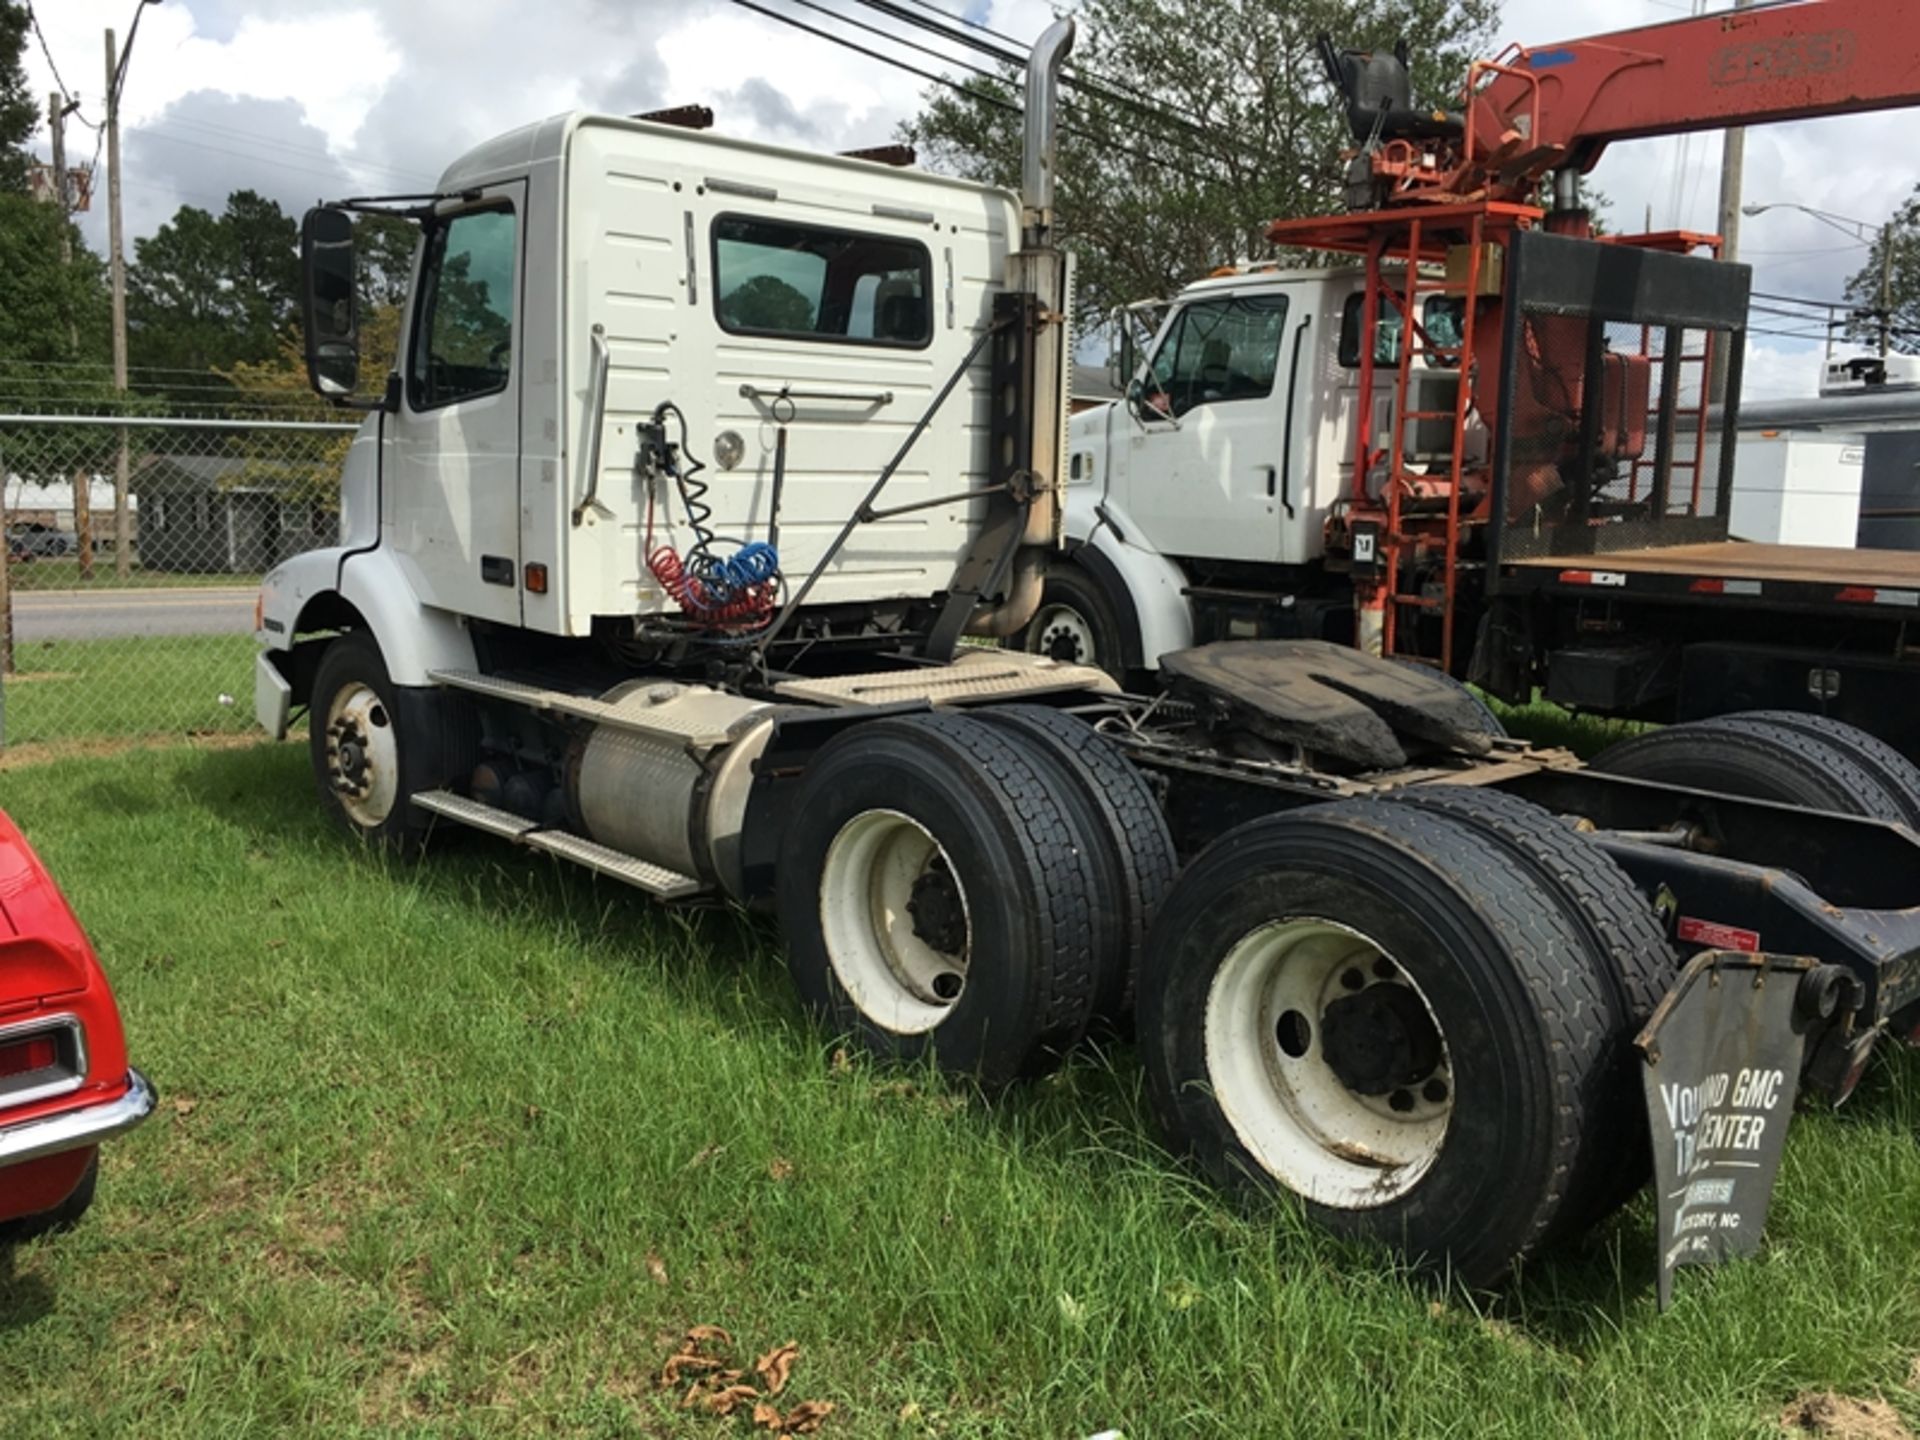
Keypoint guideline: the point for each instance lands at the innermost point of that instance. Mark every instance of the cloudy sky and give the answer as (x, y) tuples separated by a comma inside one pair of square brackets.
[(303, 102)]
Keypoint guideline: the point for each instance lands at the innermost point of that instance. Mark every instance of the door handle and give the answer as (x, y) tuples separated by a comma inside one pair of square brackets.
[(1273, 478), (1286, 438)]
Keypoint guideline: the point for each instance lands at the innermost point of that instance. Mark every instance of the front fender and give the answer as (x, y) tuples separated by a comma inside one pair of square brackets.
[(339, 588), (1154, 584)]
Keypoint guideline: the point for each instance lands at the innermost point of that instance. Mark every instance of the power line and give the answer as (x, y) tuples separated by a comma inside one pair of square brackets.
[(1077, 77), (946, 14), (41, 35), (982, 96), (940, 55)]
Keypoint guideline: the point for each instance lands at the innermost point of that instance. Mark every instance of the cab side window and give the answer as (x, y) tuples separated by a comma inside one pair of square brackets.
[(463, 330), (1443, 317), (1215, 352)]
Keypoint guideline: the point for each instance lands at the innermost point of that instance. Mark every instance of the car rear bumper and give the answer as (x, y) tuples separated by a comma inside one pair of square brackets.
[(75, 1129)]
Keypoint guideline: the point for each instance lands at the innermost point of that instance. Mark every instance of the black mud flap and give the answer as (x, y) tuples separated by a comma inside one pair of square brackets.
[(1722, 1068)]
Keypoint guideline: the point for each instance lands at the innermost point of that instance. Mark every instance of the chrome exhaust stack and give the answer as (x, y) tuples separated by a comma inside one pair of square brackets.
[(1039, 269)]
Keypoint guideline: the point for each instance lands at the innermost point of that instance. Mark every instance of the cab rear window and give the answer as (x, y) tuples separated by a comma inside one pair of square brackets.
[(808, 282)]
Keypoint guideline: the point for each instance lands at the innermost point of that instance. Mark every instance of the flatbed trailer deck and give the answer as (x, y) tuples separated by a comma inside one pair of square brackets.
[(1791, 575)]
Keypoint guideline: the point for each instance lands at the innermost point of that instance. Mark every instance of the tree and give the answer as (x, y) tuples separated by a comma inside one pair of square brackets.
[(19, 110), (1213, 119), (206, 292), (1901, 241), (766, 302)]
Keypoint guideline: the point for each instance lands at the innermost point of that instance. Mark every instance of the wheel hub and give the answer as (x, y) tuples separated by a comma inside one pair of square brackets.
[(363, 754), (938, 915), (1063, 634), (1380, 1040)]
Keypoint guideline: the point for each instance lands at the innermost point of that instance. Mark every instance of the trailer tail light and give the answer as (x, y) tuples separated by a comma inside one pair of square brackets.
[(1867, 595), (41, 1058), (536, 577)]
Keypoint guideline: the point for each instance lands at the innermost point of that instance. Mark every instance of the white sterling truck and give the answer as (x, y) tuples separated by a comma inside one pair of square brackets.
[(699, 462)]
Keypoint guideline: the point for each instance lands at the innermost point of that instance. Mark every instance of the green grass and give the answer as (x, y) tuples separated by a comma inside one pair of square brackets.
[(463, 1149), (161, 685), (64, 574), (1547, 724)]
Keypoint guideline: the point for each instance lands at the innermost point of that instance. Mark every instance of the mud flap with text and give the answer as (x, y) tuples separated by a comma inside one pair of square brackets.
[(1722, 1058)]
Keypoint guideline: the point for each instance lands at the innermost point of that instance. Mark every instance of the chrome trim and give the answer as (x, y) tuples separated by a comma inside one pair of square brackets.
[(40, 1024), (902, 212), (736, 187), (596, 424), (78, 1128)]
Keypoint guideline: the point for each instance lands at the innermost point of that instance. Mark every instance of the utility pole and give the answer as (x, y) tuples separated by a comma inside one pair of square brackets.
[(117, 263), (82, 473), (1733, 176), (1886, 290)]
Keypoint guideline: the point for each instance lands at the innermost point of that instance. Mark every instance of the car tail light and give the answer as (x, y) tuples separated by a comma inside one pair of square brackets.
[(41, 1058), (23, 1057)]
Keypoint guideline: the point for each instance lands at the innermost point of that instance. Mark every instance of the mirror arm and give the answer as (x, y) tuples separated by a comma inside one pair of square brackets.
[(388, 402)]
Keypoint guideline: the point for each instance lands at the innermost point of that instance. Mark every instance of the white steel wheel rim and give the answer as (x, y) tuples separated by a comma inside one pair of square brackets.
[(1061, 627), (894, 974), (363, 754), (1292, 1112)]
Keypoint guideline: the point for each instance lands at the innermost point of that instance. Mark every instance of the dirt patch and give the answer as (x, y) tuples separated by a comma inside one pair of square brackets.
[(34, 677), (19, 757), (1843, 1417)]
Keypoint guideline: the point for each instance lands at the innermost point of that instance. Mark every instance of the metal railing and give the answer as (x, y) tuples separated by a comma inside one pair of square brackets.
[(105, 640)]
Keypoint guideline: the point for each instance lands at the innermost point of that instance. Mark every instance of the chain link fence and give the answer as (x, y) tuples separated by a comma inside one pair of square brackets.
[(133, 552)]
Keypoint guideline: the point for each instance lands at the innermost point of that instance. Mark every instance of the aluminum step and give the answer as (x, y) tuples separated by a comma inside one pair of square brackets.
[(656, 880), (503, 823)]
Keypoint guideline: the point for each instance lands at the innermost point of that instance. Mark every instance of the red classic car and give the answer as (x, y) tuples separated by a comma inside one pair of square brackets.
[(64, 1081)]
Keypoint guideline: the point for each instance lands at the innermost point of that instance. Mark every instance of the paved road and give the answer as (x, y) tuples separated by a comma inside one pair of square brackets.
[(105, 614)]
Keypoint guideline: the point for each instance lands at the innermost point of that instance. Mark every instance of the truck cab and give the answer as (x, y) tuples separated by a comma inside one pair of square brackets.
[(1197, 505)]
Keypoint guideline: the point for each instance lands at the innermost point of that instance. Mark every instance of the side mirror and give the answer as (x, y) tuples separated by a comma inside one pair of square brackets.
[(330, 308)]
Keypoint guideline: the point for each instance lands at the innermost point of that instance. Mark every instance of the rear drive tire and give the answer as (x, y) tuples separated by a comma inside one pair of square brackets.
[(1893, 772), (1126, 835), (1626, 945), (937, 900), (373, 745), (1076, 622), (1737, 755), (1367, 1006)]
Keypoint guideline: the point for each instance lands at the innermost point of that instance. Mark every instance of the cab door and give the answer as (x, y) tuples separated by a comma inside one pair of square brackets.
[(452, 493), (1206, 454)]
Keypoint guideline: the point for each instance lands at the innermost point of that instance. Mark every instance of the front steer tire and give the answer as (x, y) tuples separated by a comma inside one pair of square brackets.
[(1271, 1053), (374, 744), (937, 900)]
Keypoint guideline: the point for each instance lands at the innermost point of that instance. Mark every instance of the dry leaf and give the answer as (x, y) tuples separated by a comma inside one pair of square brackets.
[(841, 1062), (780, 1168), (725, 1402), (184, 1105), (765, 1416), (805, 1418), (776, 1365), (686, 1360), (657, 1268), (707, 1152), (700, 1334)]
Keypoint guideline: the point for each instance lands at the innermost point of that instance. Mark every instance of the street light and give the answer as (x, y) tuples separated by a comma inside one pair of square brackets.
[(1863, 230)]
